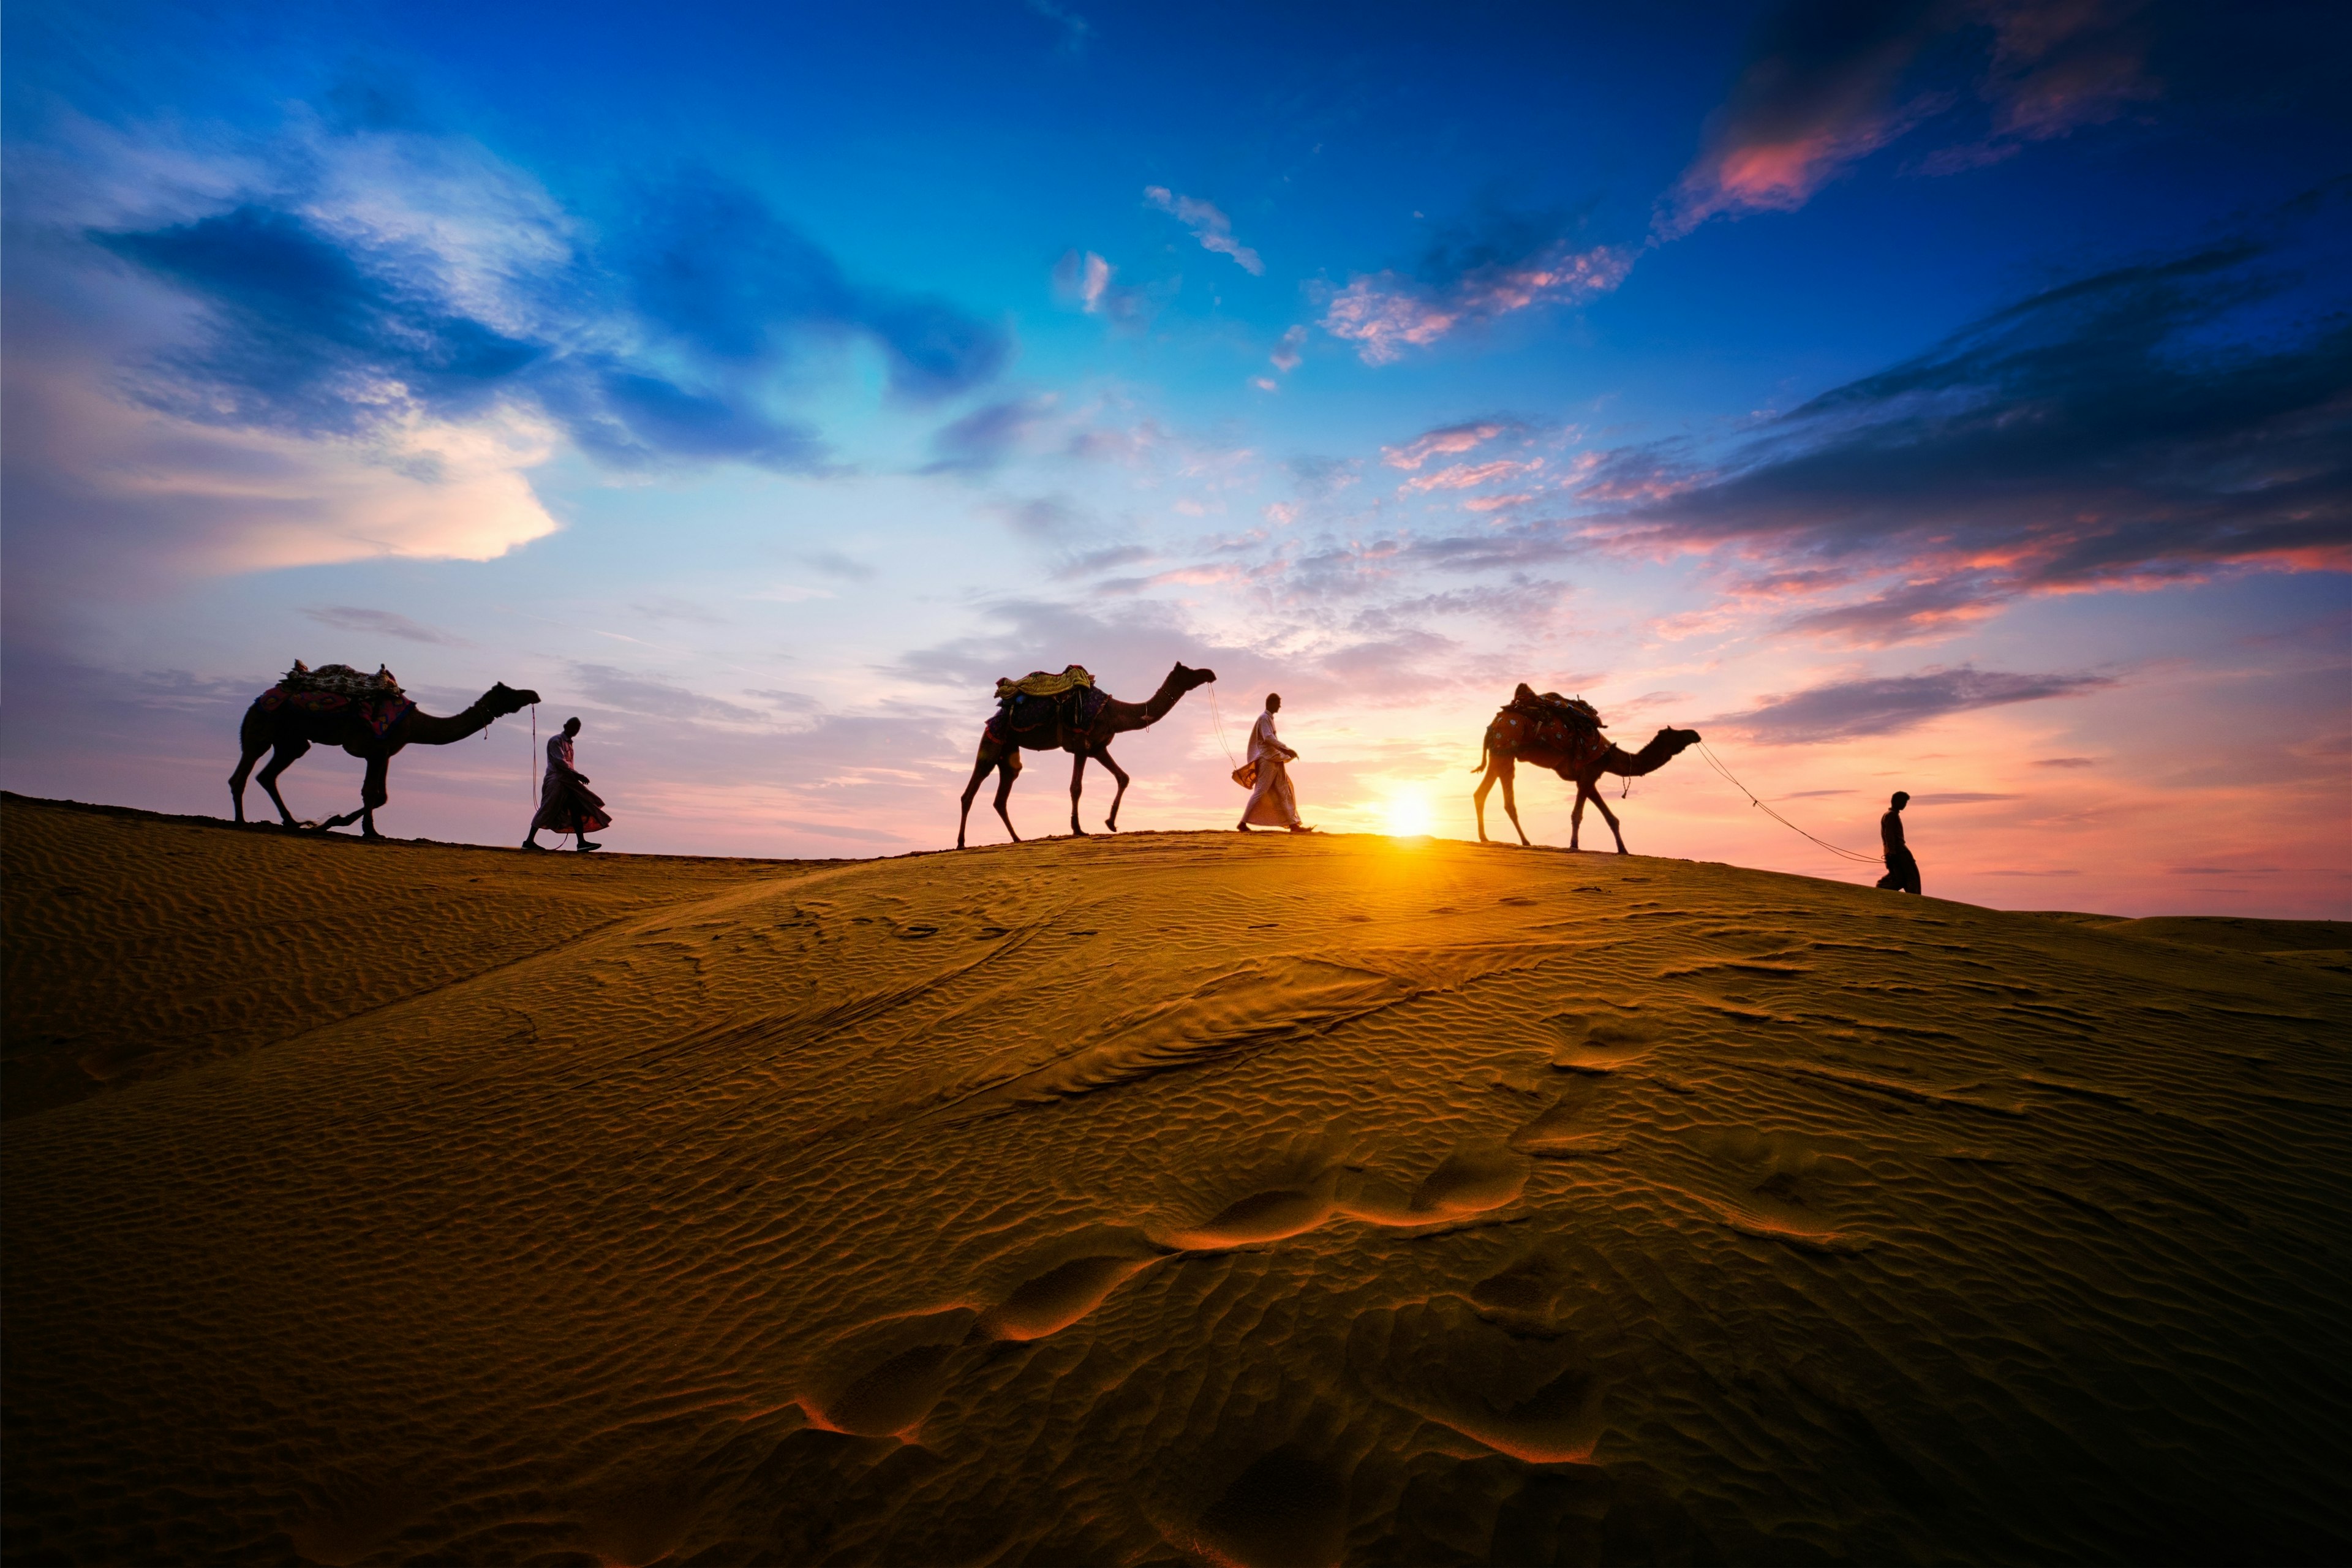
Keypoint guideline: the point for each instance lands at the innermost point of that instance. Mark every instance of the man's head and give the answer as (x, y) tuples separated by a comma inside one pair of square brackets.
[(1901, 799), (1274, 703), (571, 726)]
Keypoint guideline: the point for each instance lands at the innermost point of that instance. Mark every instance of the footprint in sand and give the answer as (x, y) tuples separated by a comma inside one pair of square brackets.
[(1285, 1511), (1048, 1303), (1534, 1397), (885, 1376), (1561, 1133), (1603, 1042), (1770, 1185), (1478, 1175), (1268, 1215)]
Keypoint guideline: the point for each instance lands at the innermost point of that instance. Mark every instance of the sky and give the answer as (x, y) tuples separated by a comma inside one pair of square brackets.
[(1954, 398)]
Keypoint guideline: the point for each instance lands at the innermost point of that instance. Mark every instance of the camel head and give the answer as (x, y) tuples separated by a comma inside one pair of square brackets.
[(1184, 678), (1672, 743), (502, 700)]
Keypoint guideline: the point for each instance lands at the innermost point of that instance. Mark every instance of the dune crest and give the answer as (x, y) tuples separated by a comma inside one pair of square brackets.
[(1170, 1197)]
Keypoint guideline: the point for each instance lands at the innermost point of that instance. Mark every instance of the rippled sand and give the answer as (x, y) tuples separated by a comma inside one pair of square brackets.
[(1174, 1198)]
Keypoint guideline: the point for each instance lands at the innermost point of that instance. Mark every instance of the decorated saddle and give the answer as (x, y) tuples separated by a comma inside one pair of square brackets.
[(1039, 700), (1037, 683), (331, 688), (1569, 726)]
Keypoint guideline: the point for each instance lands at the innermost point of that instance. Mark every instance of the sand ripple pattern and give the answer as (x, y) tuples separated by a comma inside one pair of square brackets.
[(1188, 1198)]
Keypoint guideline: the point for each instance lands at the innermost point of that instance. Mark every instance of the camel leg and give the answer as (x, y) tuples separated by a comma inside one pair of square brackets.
[(1608, 816), (1008, 770), (1478, 798), (980, 769), (250, 755), (374, 792), (1509, 769), (1102, 754), (1078, 779), (1576, 816), (284, 756)]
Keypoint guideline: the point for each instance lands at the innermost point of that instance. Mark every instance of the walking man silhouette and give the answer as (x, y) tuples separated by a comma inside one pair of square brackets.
[(566, 803), (1902, 870)]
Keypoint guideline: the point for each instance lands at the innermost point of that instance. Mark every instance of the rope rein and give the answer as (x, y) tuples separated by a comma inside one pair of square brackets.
[(1218, 720), (1713, 761)]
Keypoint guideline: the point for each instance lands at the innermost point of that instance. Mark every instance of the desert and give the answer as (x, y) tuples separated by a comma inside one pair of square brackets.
[(1170, 1197)]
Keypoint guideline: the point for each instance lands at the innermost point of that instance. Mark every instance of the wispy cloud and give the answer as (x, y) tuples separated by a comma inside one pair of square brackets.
[(1885, 705), (383, 623), (1386, 312), (1446, 441), (1212, 228), (1465, 475), (2153, 424), (1288, 351), (1828, 82)]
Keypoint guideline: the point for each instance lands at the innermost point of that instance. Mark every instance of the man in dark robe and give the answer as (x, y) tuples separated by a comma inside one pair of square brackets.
[(566, 804), (1902, 870)]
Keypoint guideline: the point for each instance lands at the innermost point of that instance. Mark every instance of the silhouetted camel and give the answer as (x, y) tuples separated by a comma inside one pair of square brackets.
[(288, 730), (1578, 755), (1090, 738)]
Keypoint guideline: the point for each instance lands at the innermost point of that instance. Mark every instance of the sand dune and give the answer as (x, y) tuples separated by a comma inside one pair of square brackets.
[(1175, 1197)]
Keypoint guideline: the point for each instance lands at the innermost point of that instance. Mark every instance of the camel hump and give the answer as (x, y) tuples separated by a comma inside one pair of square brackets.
[(1039, 683)]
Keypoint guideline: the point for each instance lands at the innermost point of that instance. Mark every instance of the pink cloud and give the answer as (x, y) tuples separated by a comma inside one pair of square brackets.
[(1465, 476), (1445, 442), (1384, 313), (1212, 228)]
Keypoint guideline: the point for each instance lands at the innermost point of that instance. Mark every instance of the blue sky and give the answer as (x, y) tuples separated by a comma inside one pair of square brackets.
[(1949, 395)]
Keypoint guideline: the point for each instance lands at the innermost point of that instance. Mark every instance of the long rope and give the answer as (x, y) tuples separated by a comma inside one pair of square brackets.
[(1714, 762), (1218, 720)]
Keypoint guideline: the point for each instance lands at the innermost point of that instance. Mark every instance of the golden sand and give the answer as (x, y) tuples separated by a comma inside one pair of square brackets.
[(1165, 1198)]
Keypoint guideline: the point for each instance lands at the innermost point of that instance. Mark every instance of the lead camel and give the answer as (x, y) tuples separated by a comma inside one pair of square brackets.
[(1546, 737), (287, 731), (1001, 743)]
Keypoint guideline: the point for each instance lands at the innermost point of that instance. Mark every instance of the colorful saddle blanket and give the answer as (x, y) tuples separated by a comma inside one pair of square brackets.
[(1062, 713), (331, 688), (1037, 683)]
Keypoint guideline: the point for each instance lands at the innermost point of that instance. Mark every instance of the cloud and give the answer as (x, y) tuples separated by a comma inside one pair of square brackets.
[(1210, 226), (2155, 423), (2066, 763), (1828, 82), (402, 286), (716, 270), (1465, 475), (1960, 798), (1384, 313), (632, 693), (1082, 279), (1076, 29), (834, 563), (1886, 705), (384, 623), (1446, 441), (986, 436), (1288, 353)]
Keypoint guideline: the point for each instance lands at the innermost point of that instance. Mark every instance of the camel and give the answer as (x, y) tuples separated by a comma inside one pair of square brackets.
[(287, 731), (1000, 746), (1579, 755)]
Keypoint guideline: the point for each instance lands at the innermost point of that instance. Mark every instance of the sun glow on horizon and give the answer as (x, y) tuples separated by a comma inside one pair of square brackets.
[(1407, 814)]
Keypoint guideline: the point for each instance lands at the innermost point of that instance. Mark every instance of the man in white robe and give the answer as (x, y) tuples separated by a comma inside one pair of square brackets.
[(1271, 801)]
